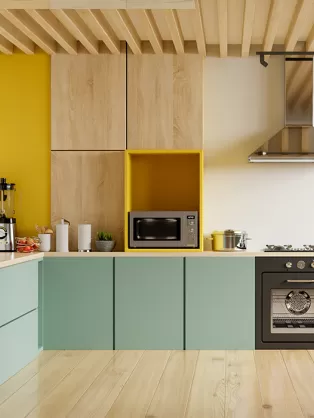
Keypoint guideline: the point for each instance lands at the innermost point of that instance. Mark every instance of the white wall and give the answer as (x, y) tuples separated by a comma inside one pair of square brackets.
[(244, 106)]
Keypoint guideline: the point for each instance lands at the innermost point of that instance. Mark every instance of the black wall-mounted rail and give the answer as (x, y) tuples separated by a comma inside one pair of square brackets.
[(297, 55)]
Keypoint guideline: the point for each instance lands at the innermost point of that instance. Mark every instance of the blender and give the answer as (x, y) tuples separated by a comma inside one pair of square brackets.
[(7, 219)]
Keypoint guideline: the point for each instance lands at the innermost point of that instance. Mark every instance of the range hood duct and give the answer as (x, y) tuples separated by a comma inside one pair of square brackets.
[(295, 142)]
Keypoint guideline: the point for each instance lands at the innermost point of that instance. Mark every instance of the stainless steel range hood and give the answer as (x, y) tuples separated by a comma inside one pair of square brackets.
[(295, 142)]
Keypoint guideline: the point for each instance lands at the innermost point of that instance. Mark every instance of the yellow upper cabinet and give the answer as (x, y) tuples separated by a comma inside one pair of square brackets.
[(88, 102), (165, 101)]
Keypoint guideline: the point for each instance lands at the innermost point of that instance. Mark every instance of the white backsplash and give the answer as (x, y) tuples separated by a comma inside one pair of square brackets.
[(244, 106)]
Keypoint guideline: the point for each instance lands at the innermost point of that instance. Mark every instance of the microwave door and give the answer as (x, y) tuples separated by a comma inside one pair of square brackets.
[(157, 229)]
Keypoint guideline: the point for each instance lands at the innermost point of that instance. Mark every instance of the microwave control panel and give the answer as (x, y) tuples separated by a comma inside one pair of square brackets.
[(192, 231)]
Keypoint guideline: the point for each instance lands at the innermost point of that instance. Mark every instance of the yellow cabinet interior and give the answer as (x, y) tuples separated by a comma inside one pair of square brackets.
[(157, 180)]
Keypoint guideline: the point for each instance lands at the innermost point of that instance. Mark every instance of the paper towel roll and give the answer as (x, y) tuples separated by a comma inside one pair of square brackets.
[(62, 237), (84, 237)]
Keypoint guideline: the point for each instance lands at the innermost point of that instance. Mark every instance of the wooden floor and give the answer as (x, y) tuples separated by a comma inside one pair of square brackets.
[(193, 384)]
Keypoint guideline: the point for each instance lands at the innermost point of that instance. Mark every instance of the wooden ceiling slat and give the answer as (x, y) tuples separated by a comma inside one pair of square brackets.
[(55, 29), (302, 9), (153, 32), (75, 25), (222, 9), (97, 23), (199, 29), (5, 46), (15, 36), (310, 40), (248, 22), (22, 21), (272, 24), (175, 30), (122, 19)]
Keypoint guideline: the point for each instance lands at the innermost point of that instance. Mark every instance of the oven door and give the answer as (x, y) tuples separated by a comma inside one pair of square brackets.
[(288, 307)]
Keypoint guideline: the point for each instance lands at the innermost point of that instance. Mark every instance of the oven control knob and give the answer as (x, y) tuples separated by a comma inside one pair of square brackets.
[(289, 265), (312, 264), (301, 264)]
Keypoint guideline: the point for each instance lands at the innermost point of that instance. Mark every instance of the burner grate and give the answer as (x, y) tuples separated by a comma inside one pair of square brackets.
[(289, 249)]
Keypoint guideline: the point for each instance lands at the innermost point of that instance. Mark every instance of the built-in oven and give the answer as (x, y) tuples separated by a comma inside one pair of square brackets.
[(163, 229), (284, 303)]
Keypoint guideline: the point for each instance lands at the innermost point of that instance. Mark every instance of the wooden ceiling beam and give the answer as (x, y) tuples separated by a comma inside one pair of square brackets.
[(310, 40), (199, 29), (175, 30), (302, 10), (97, 4), (153, 32), (122, 19), (273, 21), (55, 29), (75, 25), (98, 24), (5, 46), (22, 21), (248, 22), (16, 37), (222, 8)]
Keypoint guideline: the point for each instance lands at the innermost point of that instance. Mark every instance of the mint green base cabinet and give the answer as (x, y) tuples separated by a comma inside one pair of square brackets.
[(78, 303), (220, 303), (149, 303), (18, 344)]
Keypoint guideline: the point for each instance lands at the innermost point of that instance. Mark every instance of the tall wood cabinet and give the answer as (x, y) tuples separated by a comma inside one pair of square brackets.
[(165, 101)]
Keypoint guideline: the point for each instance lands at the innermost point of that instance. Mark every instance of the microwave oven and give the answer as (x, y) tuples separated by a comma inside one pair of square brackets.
[(163, 229)]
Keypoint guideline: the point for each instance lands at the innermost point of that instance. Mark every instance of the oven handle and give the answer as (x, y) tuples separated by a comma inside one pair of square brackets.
[(300, 281)]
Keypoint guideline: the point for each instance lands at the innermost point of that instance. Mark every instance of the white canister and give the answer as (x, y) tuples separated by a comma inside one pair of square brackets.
[(45, 242), (84, 237), (62, 236)]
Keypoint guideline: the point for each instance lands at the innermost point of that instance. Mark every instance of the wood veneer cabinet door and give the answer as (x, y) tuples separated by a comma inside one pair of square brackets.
[(88, 186), (165, 101), (88, 102)]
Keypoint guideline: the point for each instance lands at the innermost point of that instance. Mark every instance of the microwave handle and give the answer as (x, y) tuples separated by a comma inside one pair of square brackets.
[(300, 281)]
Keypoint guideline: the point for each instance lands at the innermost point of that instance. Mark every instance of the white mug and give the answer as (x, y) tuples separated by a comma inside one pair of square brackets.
[(45, 242)]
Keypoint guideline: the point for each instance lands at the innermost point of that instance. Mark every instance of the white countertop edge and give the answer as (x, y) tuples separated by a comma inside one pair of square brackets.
[(10, 259), (179, 254)]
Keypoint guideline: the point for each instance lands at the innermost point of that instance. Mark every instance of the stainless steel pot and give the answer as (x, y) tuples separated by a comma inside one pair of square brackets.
[(229, 240)]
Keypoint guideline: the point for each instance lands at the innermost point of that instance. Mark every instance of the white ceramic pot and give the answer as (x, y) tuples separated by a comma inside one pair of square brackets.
[(45, 242)]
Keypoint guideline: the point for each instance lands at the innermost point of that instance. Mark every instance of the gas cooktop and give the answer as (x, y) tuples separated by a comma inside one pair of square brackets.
[(288, 249)]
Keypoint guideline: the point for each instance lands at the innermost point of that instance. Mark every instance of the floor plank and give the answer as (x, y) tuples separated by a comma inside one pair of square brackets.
[(36, 389), (243, 397), (301, 370), (278, 395), (64, 397), (99, 398), (207, 399), (8, 388), (137, 394), (172, 394)]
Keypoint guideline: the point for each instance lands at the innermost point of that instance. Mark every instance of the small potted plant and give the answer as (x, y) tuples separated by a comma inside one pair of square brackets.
[(105, 242)]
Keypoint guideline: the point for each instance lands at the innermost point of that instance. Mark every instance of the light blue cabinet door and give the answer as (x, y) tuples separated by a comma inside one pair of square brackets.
[(18, 290), (18, 344), (78, 303), (149, 303), (220, 303)]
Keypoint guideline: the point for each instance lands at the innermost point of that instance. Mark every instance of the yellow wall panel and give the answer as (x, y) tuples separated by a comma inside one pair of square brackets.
[(25, 135)]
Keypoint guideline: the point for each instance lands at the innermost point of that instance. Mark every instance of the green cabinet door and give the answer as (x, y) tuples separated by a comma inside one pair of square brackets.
[(149, 303), (78, 303), (220, 303)]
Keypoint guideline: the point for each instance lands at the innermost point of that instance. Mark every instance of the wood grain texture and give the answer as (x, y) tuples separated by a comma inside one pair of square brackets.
[(88, 102), (172, 394), (208, 392), (165, 101), (88, 187), (278, 395)]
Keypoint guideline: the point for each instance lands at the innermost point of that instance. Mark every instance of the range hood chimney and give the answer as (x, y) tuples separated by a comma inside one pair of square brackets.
[(295, 142)]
